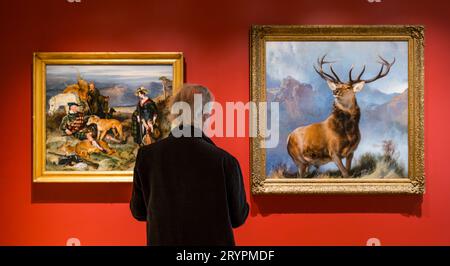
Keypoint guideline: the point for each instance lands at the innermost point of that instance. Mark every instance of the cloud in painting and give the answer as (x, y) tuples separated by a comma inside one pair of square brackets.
[(119, 82), (114, 72), (115, 93), (296, 59)]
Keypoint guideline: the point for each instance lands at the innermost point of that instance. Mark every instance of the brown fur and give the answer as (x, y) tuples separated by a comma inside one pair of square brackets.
[(338, 136), (334, 138), (103, 125), (81, 89), (85, 148)]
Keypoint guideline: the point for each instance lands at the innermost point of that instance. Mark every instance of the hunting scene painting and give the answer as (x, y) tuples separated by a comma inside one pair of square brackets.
[(343, 109), (97, 116)]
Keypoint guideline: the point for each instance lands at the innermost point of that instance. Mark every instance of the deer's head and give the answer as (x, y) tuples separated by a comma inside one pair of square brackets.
[(344, 91)]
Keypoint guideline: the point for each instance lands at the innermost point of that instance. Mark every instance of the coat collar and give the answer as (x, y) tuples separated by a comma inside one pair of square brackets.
[(194, 131)]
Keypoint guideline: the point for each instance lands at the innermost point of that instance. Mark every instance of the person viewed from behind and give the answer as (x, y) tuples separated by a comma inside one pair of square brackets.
[(189, 191)]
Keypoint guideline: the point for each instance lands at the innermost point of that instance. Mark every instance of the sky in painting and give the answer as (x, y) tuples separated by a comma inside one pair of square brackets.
[(112, 73), (119, 82), (296, 59)]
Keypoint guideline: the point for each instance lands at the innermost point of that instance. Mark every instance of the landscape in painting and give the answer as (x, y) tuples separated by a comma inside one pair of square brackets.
[(93, 118), (343, 109)]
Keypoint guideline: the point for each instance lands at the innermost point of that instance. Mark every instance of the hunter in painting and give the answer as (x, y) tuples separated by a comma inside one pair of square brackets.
[(98, 115)]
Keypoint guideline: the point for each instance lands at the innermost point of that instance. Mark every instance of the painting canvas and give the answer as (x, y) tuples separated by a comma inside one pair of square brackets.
[(97, 116), (347, 106), (379, 147)]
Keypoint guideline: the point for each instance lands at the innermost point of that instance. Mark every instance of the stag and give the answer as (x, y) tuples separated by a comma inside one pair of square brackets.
[(338, 136)]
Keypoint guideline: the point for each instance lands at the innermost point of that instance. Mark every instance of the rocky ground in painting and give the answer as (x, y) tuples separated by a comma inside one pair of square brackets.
[(369, 166)]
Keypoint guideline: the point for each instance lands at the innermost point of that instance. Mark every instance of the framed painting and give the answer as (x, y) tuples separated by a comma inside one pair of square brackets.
[(349, 109), (92, 112)]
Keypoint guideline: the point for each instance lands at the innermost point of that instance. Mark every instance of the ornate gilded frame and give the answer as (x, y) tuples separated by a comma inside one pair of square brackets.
[(414, 35), (39, 91)]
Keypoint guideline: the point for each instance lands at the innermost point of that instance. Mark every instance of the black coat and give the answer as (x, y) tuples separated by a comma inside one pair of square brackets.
[(189, 191)]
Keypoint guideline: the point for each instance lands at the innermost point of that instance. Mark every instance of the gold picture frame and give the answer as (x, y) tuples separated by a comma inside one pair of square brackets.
[(43, 59), (415, 181)]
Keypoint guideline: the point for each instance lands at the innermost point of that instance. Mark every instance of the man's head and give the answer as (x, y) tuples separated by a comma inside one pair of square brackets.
[(185, 99), (73, 107), (92, 86)]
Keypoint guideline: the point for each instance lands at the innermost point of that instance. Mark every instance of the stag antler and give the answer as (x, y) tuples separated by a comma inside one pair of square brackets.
[(383, 62), (323, 74)]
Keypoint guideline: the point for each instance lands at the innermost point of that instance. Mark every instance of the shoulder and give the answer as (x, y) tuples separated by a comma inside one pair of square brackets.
[(231, 161), (230, 165), (147, 149), (214, 152), (221, 154), (225, 155)]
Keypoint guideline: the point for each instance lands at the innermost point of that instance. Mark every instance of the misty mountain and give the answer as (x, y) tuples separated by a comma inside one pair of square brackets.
[(125, 96), (372, 97), (299, 103), (391, 113), (120, 94)]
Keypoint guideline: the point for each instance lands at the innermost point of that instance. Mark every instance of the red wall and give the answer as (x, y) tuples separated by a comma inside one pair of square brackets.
[(214, 38)]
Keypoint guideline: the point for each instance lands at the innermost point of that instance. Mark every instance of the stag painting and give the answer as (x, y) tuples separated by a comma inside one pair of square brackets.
[(339, 103), (338, 136)]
